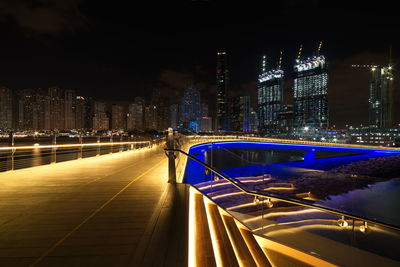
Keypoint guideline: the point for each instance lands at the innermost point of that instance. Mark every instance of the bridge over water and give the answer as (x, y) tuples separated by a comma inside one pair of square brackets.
[(98, 211), (119, 210)]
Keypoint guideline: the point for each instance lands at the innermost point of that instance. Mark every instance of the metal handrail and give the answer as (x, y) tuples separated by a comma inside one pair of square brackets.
[(298, 142), (287, 200), (74, 145)]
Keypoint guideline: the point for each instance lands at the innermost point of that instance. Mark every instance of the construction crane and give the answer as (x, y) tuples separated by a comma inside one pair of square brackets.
[(299, 53), (319, 48), (280, 60), (373, 67)]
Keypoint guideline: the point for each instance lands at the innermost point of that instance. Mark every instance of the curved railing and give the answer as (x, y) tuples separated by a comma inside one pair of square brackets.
[(242, 188), (299, 223)]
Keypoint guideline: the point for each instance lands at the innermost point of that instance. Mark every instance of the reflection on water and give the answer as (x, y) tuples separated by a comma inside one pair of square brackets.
[(379, 201), (37, 160)]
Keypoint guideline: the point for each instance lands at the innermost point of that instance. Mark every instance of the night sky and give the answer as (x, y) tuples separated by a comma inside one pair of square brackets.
[(114, 51)]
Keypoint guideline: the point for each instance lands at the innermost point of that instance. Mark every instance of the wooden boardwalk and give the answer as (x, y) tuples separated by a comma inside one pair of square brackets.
[(112, 210)]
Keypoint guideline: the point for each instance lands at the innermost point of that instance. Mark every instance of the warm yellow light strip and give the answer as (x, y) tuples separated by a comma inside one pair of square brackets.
[(289, 141), (227, 195), (268, 244), (226, 183), (242, 206), (231, 238), (213, 232), (312, 226), (282, 213), (192, 229), (74, 145), (279, 188)]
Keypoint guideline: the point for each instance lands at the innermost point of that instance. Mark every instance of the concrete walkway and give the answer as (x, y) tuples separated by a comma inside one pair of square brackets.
[(112, 210)]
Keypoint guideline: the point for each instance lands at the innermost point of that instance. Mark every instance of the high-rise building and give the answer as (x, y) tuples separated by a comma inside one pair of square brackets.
[(135, 115), (6, 108), (39, 105), (270, 96), (55, 111), (205, 124), (150, 117), (80, 113), (130, 120), (158, 101), (285, 118), (381, 97), (204, 110), (117, 117), (26, 103), (173, 109), (100, 118), (222, 118), (32, 104), (240, 115), (69, 109), (253, 121), (89, 113), (190, 105), (311, 94)]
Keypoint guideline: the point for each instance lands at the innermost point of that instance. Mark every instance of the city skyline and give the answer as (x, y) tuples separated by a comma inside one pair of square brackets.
[(268, 112), (104, 52)]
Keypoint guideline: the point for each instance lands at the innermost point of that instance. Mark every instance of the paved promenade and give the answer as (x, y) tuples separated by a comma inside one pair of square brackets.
[(112, 210)]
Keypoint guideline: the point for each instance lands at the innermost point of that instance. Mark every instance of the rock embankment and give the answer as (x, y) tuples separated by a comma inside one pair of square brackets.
[(349, 177)]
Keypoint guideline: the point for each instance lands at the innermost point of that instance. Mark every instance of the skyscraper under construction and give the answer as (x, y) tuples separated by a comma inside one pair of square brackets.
[(381, 97), (270, 96), (311, 94)]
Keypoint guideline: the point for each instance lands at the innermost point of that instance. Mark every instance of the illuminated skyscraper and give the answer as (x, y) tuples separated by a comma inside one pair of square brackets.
[(381, 97), (5, 108), (222, 119), (270, 96), (311, 94)]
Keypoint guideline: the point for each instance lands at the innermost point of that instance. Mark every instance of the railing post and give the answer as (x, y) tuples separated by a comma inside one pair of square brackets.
[(53, 149), (81, 147), (12, 151), (171, 157), (112, 143), (98, 147)]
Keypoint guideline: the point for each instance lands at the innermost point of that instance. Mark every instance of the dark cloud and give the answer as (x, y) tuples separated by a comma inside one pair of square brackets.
[(349, 88), (44, 16)]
